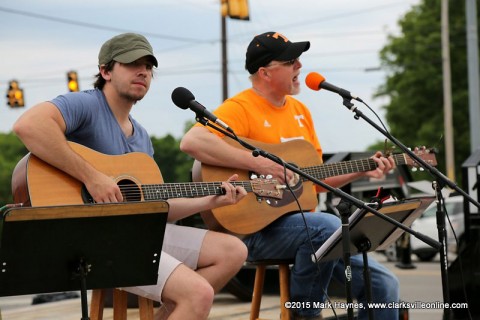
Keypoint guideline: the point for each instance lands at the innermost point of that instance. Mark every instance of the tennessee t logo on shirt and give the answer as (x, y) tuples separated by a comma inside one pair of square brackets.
[(299, 118)]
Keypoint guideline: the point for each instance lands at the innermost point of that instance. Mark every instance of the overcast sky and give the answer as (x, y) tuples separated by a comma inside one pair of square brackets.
[(42, 40)]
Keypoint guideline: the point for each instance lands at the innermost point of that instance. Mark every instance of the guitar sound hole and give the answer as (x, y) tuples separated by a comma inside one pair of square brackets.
[(86, 197), (130, 192)]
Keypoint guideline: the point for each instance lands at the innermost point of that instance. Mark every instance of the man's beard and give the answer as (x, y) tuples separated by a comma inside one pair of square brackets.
[(131, 97)]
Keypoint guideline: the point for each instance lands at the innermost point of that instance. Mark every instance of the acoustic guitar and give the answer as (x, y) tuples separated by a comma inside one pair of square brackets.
[(36, 183), (253, 213)]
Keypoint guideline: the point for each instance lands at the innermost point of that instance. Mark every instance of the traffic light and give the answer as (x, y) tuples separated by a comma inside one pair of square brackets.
[(15, 95), (235, 9), (72, 79)]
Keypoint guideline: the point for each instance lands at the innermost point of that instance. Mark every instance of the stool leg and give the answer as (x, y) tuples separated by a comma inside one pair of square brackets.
[(96, 304), (145, 307), (257, 292), (119, 304), (284, 277)]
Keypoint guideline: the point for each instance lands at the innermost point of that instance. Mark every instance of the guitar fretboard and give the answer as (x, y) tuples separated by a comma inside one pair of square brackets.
[(188, 190), (335, 169)]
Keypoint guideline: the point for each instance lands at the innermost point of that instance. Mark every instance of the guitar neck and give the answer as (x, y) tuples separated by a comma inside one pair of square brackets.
[(188, 190), (335, 169)]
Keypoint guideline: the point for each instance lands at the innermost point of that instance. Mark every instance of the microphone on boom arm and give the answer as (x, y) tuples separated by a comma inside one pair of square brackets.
[(184, 99), (316, 81)]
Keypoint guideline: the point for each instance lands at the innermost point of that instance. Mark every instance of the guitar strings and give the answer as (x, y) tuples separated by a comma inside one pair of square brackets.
[(212, 188)]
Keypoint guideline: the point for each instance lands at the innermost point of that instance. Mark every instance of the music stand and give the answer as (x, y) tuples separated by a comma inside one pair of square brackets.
[(80, 247), (369, 232)]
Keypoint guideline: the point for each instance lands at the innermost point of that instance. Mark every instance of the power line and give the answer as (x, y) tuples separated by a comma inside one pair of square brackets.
[(332, 17), (197, 42), (94, 26)]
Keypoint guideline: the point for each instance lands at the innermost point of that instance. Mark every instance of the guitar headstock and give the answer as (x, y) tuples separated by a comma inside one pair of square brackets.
[(426, 154), (267, 188)]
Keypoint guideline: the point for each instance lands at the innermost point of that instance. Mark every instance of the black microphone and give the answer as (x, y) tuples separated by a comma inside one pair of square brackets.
[(316, 81), (184, 99)]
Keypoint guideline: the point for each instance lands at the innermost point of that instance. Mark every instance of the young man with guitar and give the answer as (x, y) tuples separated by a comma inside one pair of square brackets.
[(194, 263), (268, 113)]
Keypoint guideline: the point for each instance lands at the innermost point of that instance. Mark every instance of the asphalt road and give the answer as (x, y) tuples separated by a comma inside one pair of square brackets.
[(420, 286)]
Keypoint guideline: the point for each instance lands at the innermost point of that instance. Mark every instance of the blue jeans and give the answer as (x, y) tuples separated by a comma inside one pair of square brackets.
[(287, 238)]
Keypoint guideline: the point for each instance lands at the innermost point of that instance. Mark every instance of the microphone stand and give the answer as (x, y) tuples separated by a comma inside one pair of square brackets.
[(441, 181), (340, 193)]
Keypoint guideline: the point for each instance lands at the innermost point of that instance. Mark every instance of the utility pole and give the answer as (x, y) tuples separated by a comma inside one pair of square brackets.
[(447, 94), (234, 9), (473, 82), (224, 60)]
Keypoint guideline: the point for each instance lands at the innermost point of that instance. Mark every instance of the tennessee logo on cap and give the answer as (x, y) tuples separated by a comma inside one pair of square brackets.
[(270, 46), (277, 35)]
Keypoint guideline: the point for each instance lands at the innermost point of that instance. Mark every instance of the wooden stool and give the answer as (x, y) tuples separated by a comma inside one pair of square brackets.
[(145, 305), (284, 279)]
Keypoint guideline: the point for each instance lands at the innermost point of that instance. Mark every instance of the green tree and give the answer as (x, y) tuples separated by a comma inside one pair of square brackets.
[(414, 86), (12, 151), (174, 164)]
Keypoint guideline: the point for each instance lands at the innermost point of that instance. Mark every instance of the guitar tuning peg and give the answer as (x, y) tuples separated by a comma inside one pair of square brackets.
[(262, 176), (414, 169), (421, 169), (253, 176), (269, 176)]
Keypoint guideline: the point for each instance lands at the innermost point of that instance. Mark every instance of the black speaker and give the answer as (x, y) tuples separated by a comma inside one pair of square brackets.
[(464, 278)]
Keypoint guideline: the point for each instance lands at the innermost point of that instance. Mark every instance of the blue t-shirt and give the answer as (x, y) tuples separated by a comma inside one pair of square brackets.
[(90, 122)]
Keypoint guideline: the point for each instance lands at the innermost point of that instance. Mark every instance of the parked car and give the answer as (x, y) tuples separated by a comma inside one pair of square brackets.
[(427, 224)]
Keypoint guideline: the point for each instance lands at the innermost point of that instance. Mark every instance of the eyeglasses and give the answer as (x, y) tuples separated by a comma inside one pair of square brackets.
[(283, 63)]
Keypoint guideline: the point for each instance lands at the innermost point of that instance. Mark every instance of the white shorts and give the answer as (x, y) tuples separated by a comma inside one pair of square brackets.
[(180, 245)]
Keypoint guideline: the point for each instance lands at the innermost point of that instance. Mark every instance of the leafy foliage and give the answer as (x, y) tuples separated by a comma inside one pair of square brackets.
[(174, 164), (414, 82), (12, 151)]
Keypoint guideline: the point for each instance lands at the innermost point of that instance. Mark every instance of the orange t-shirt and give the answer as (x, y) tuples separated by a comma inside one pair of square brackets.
[(252, 116)]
